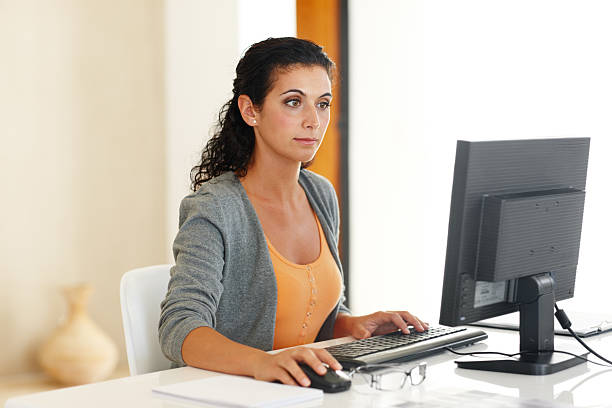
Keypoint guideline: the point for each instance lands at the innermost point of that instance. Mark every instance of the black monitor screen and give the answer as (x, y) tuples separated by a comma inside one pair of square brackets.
[(516, 210)]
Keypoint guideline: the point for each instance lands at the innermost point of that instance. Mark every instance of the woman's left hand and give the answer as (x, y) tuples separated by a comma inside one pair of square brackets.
[(362, 327)]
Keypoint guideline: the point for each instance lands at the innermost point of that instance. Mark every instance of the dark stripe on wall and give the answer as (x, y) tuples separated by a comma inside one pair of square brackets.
[(344, 144)]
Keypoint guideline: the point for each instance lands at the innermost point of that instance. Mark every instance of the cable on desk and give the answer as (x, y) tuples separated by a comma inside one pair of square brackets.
[(475, 353), (565, 322), (480, 352)]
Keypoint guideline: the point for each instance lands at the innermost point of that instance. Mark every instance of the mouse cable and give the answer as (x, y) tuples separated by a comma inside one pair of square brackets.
[(477, 353), (565, 322)]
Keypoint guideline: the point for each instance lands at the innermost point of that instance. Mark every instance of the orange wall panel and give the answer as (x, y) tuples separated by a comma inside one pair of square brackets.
[(319, 21)]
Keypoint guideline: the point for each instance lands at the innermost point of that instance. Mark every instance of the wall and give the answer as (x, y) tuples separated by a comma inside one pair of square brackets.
[(475, 70), (104, 108), (81, 160), (258, 20), (386, 142)]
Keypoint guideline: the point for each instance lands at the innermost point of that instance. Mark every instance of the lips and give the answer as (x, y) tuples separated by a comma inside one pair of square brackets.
[(306, 141)]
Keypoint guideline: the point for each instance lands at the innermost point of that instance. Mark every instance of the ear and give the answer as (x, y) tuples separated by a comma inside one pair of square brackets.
[(247, 110)]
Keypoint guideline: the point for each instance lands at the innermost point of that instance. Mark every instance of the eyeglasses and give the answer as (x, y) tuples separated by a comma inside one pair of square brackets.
[(386, 377)]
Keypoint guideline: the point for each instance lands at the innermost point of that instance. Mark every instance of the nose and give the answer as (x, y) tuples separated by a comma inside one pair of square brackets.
[(311, 119)]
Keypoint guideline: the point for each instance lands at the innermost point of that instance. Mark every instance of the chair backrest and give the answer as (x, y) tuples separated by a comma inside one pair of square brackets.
[(141, 292)]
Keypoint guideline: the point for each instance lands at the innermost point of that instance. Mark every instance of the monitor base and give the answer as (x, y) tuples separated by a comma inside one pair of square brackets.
[(540, 363)]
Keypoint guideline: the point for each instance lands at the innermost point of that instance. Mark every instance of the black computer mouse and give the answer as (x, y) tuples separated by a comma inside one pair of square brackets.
[(329, 382)]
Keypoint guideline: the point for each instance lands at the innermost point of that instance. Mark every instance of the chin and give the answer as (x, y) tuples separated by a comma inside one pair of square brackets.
[(307, 159), (304, 158)]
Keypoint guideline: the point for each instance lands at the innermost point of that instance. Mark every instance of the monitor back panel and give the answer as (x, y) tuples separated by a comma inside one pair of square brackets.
[(498, 168)]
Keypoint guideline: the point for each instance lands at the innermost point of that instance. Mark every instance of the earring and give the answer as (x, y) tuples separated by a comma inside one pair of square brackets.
[(254, 121)]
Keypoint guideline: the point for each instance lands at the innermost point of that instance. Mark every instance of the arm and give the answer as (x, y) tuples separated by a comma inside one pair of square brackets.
[(342, 328), (208, 349), (205, 348), (195, 285)]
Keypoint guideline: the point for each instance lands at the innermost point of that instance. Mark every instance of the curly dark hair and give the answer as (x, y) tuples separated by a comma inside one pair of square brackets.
[(231, 146)]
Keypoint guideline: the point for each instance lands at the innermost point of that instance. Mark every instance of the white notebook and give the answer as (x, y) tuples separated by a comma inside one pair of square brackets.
[(239, 392)]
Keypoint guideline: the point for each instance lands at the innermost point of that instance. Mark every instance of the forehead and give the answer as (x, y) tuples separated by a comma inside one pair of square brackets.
[(309, 79)]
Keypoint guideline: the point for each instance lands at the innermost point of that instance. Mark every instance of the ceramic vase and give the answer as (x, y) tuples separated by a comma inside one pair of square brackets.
[(78, 352)]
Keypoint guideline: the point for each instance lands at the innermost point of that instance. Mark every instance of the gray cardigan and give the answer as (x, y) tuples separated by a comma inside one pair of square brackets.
[(223, 277)]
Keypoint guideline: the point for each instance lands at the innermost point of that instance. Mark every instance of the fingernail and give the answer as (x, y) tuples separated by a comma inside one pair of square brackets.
[(321, 369), (305, 382)]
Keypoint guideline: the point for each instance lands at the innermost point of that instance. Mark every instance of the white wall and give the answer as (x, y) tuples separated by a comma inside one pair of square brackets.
[(490, 70), (258, 20), (386, 144), (81, 161)]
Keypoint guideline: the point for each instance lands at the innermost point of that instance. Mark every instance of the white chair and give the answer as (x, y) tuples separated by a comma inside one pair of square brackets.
[(141, 292)]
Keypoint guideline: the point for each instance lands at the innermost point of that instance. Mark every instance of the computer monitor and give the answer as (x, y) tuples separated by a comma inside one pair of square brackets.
[(513, 241)]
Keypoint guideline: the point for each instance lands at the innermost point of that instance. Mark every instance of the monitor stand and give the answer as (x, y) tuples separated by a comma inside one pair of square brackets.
[(535, 295)]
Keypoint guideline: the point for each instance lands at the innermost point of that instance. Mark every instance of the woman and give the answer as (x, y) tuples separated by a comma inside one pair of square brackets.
[(257, 264)]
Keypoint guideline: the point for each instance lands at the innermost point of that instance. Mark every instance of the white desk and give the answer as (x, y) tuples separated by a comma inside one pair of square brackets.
[(587, 385)]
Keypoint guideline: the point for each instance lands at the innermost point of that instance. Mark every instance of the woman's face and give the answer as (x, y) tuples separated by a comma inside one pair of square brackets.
[(293, 118)]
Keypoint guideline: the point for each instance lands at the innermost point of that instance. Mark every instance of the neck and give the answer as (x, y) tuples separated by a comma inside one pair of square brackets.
[(273, 181)]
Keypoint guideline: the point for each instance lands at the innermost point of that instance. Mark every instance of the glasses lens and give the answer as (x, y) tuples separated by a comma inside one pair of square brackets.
[(361, 383), (391, 381), (417, 374)]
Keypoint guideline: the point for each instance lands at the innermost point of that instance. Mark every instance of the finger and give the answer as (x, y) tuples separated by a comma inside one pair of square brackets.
[(296, 372), (309, 357), (424, 325), (399, 322), (285, 378), (413, 320), (327, 358)]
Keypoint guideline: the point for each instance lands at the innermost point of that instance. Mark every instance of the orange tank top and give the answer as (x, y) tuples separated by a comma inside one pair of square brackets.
[(306, 295)]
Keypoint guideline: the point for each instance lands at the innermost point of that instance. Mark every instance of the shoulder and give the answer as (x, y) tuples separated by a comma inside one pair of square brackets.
[(214, 198), (223, 187), (317, 185), (321, 191)]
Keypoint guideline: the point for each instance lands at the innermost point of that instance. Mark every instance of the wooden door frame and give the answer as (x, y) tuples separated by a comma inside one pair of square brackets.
[(326, 23)]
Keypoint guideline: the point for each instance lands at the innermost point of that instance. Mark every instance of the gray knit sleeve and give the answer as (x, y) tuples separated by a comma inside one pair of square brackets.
[(195, 284)]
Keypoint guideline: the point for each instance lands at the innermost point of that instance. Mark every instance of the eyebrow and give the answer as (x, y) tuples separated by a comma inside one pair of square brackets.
[(303, 94)]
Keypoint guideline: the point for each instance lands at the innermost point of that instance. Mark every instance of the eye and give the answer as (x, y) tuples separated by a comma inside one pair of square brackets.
[(294, 102), (324, 105)]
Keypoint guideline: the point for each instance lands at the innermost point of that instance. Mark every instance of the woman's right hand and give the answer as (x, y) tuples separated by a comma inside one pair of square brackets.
[(284, 367)]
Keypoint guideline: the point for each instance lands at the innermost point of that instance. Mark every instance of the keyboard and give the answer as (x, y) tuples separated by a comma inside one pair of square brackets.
[(399, 347)]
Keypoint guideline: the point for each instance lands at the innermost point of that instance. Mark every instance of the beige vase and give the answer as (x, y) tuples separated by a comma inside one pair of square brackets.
[(78, 352)]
